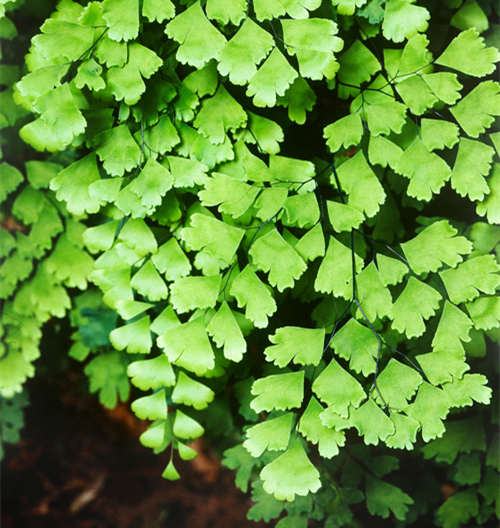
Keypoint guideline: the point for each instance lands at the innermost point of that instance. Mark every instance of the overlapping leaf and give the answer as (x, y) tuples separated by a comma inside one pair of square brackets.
[(435, 245), (313, 42), (273, 78), (251, 293), (218, 115), (466, 53), (364, 189), (476, 112), (357, 344), (272, 434), (292, 473), (469, 279), (199, 46), (232, 196), (418, 302), (127, 82), (357, 65), (187, 345), (472, 164), (284, 269), (311, 427), (303, 346), (216, 238), (226, 332), (335, 272), (278, 391), (240, 56), (337, 388), (403, 20)]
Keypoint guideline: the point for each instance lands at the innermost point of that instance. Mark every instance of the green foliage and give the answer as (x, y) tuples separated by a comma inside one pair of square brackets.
[(38, 264), (259, 185), (272, 434), (284, 391), (458, 509), (108, 375), (12, 420), (382, 497)]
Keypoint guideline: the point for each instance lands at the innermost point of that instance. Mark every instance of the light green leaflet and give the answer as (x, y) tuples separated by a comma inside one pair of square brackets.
[(280, 476), (196, 47)]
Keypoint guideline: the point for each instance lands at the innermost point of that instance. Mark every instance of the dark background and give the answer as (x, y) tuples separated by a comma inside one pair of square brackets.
[(79, 465)]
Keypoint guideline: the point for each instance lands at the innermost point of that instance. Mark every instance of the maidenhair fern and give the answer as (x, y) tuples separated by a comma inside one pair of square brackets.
[(315, 282)]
